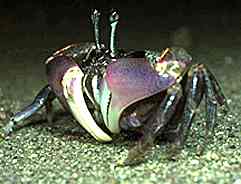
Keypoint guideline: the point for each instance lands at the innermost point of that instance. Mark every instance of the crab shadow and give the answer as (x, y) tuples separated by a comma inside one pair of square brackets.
[(65, 126)]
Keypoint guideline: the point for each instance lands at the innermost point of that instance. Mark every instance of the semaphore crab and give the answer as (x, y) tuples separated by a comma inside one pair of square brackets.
[(108, 90)]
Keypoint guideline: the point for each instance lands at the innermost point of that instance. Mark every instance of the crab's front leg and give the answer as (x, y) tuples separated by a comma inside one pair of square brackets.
[(155, 124), (42, 98)]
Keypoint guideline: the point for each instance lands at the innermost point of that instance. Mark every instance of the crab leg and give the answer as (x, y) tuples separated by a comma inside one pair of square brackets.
[(214, 96), (211, 104), (200, 82), (155, 125), (44, 96), (194, 93), (218, 92)]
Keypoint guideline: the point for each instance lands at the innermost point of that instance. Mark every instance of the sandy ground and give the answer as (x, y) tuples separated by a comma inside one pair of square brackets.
[(44, 153)]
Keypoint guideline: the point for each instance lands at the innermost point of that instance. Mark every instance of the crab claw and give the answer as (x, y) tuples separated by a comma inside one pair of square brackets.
[(73, 92)]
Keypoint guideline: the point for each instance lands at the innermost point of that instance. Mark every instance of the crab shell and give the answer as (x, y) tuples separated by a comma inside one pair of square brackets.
[(126, 81)]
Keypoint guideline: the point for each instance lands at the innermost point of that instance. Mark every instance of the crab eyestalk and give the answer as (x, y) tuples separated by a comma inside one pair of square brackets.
[(114, 19), (95, 17)]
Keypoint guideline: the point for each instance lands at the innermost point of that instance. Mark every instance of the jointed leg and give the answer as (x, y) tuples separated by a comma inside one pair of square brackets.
[(214, 96), (44, 96), (155, 124), (194, 91), (49, 107), (200, 82), (218, 92), (210, 104)]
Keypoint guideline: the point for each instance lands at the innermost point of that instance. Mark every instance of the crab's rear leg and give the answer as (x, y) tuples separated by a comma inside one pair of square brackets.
[(44, 97), (194, 91), (214, 96), (218, 92), (200, 82)]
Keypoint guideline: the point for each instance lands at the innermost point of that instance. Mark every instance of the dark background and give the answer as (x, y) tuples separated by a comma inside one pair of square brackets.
[(30, 31), (139, 17)]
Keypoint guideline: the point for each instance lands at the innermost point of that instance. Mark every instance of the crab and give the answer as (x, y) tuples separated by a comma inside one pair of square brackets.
[(145, 94)]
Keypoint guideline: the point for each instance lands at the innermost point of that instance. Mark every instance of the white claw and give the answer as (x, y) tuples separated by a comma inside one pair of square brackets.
[(73, 92)]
